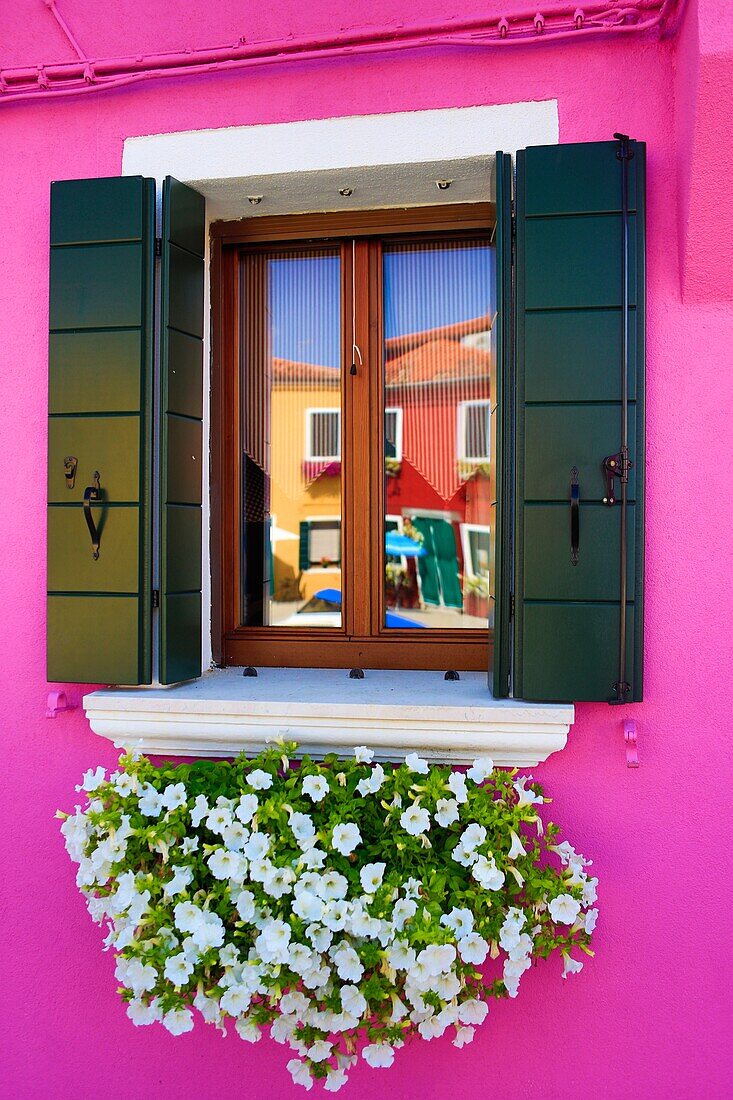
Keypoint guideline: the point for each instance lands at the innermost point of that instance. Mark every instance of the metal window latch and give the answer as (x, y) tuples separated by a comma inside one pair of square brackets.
[(70, 464), (574, 516), (616, 466), (92, 495)]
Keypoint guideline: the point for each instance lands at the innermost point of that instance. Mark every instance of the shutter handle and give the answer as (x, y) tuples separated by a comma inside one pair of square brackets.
[(574, 516), (92, 494)]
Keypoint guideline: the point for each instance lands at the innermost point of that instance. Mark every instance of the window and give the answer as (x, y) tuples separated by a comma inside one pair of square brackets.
[(474, 421), (393, 434), (367, 557), (324, 543), (401, 297), (323, 435)]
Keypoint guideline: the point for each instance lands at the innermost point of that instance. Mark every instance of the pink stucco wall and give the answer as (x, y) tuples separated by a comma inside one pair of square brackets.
[(647, 1016)]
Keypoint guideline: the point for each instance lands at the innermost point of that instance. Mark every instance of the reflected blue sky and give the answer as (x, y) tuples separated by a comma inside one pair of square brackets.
[(424, 288)]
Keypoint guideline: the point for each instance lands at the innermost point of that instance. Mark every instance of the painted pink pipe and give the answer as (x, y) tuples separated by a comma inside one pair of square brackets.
[(121, 72)]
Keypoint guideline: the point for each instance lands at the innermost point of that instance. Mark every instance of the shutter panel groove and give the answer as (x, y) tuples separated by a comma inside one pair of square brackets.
[(100, 410), (568, 414), (181, 431)]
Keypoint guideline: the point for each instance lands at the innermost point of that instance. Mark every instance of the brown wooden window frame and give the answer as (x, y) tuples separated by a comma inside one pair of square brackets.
[(362, 641)]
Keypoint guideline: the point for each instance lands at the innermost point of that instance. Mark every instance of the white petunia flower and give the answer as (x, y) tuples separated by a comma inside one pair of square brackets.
[(517, 848), (320, 1050), (308, 906), (570, 966), (363, 754), (219, 819), (345, 838), (296, 1004), (403, 911), (437, 958), (247, 807), (209, 932), (473, 948), (236, 1000), (224, 864), (235, 836), (273, 941), (415, 819), (300, 1073), (473, 1011), (487, 874), (247, 1029), (473, 836), (526, 798), (464, 1035), (302, 826), (447, 812), (348, 964), (564, 909), (513, 970), (373, 782), (178, 1021), (332, 886), (259, 779), (590, 920), (353, 1001), (189, 844), (257, 846), (142, 1014), (92, 779), (136, 975), (245, 903), (400, 955), (320, 937), (178, 969), (371, 876), (460, 921), (315, 787), (313, 857), (199, 811), (182, 877), (278, 881), (481, 769), (187, 916), (125, 784), (335, 1080), (150, 802), (416, 764), (174, 796), (378, 1055), (590, 892), (457, 785)]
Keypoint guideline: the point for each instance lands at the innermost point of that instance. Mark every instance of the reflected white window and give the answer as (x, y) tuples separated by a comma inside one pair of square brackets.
[(474, 426), (323, 434)]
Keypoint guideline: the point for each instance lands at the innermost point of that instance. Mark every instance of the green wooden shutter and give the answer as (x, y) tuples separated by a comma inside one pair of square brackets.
[(501, 573), (181, 431), (569, 314), (304, 546), (100, 401)]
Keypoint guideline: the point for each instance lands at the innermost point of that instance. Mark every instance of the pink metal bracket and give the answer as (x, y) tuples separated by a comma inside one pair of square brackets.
[(632, 756), (57, 703)]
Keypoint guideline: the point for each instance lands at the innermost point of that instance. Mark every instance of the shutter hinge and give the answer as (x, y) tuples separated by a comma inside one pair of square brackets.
[(158, 246), (156, 597)]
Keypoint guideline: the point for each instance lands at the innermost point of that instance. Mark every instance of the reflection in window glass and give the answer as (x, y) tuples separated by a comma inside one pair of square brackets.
[(437, 428), (291, 438)]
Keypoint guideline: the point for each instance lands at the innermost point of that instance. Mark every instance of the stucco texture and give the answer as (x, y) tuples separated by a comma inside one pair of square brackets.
[(647, 1017)]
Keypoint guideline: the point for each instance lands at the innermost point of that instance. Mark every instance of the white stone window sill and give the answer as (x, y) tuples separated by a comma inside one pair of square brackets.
[(394, 713)]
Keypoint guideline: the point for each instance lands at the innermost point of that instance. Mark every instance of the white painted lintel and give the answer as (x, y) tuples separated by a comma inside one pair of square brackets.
[(224, 713)]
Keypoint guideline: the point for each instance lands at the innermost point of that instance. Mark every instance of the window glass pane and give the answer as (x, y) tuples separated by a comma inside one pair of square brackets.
[(437, 312), (291, 438)]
